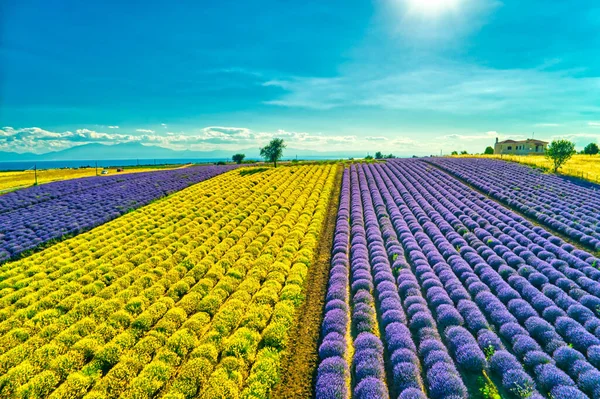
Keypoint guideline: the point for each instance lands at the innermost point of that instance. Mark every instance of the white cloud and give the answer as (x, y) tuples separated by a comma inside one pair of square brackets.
[(227, 131), (404, 141), (376, 138), (144, 130), (594, 124), (576, 135), (481, 137), (580, 139), (164, 125), (452, 88), (212, 137), (38, 140), (113, 127)]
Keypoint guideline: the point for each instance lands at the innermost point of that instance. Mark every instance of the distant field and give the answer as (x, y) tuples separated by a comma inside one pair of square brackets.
[(13, 180), (582, 166)]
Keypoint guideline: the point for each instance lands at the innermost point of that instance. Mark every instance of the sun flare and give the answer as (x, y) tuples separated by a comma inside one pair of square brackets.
[(432, 7)]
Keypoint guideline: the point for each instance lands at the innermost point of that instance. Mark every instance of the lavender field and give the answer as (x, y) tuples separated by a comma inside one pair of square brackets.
[(570, 208), (436, 280), (37, 215), (436, 291)]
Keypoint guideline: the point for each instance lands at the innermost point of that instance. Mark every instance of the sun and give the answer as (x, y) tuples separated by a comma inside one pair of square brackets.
[(432, 7)]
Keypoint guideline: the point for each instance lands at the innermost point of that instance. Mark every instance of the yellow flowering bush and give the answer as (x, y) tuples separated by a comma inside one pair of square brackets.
[(191, 296)]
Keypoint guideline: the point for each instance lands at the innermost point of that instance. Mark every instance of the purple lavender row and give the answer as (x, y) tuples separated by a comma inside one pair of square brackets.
[(567, 207), (383, 244), (66, 212), (544, 260), (582, 371), (333, 374), (451, 230), (368, 372), (468, 249), (46, 192), (524, 233), (447, 296), (536, 183), (505, 322), (442, 378), (550, 378), (367, 361), (502, 363)]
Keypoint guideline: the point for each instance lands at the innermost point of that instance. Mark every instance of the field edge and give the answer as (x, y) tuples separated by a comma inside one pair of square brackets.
[(300, 364)]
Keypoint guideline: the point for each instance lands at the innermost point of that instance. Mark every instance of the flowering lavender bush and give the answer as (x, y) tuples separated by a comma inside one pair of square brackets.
[(568, 207), (432, 282), (37, 215)]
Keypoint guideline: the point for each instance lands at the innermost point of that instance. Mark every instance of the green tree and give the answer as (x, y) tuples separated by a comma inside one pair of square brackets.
[(274, 151), (378, 155), (238, 158), (591, 149), (488, 151), (390, 156), (464, 153), (454, 153), (559, 152), (369, 157)]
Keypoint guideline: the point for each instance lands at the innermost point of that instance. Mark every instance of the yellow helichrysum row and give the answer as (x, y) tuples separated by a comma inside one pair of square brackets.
[(18, 179), (174, 299)]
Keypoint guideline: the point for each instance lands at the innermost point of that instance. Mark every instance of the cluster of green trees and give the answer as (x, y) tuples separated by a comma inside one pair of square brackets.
[(271, 152), (560, 151), (238, 158), (274, 151), (591, 149), (379, 155)]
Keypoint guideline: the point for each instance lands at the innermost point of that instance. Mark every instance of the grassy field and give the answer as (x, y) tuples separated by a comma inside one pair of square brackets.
[(12, 180), (582, 166)]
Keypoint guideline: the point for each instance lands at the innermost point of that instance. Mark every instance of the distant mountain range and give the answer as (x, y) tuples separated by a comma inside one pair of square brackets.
[(91, 152)]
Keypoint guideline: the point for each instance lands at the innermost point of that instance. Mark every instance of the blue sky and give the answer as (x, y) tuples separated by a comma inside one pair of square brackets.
[(402, 76)]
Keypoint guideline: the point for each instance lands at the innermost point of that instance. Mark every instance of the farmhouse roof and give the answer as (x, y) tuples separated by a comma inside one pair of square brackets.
[(539, 142)]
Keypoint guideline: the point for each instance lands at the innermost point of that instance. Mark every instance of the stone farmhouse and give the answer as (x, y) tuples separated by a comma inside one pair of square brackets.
[(523, 147)]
